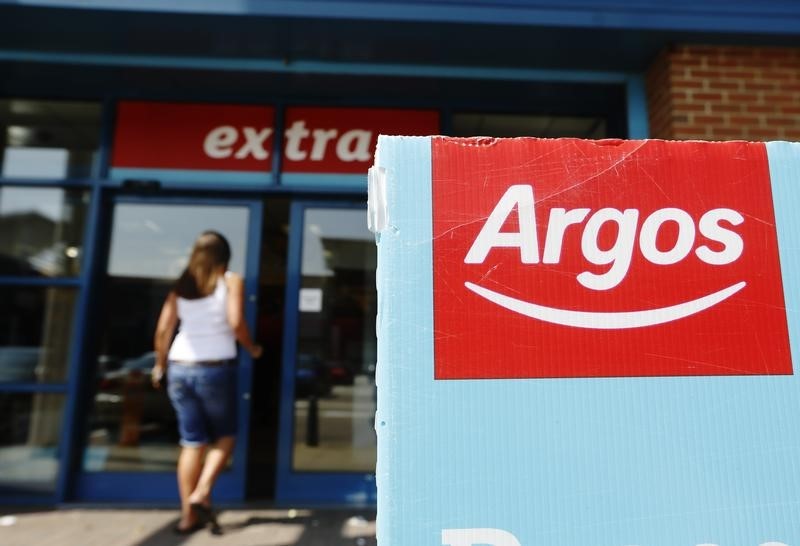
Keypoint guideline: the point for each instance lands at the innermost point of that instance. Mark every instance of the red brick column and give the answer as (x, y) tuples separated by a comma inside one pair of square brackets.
[(725, 93)]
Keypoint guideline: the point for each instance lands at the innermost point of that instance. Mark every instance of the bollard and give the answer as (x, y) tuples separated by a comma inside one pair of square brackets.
[(312, 422)]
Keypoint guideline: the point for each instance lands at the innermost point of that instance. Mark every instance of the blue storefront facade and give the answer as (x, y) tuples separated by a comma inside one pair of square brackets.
[(129, 127)]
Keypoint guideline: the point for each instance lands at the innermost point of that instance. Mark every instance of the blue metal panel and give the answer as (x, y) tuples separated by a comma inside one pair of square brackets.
[(331, 489), (284, 486), (277, 142), (106, 137), (233, 201), (273, 189), (132, 487), (239, 471), (193, 177), (638, 126), (8, 498), (33, 182), (292, 486), (354, 181), (58, 282), (712, 15), (70, 444), (446, 118), (315, 67), (50, 388)]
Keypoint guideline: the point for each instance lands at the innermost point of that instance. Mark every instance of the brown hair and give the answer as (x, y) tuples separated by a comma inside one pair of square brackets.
[(211, 250)]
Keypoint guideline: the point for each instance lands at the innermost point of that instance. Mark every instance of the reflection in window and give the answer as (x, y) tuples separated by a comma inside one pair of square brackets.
[(29, 434), (132, 425), (48, 139), (513, 125), (154, 241), (35, 333), (42, 230), (336, 347)]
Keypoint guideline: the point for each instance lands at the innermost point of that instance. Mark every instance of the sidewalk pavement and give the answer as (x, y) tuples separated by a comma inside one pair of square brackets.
[(151, 527)]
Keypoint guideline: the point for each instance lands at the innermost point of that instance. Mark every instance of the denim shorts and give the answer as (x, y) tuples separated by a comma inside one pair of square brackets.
[(204, 398)]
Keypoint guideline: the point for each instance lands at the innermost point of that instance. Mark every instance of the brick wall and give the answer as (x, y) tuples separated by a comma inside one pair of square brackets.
[(725, 93)]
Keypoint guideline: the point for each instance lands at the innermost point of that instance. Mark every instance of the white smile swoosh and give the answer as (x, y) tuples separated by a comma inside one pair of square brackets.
[(606, 320)]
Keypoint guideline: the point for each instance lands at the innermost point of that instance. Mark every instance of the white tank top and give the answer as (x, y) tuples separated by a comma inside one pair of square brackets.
[(204, 332)]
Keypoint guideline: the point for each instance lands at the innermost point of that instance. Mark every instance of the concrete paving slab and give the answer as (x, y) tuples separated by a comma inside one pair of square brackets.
[(154, 527)]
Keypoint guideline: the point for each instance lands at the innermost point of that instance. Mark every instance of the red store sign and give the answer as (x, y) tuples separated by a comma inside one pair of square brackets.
[(571, 258), (153, 135)]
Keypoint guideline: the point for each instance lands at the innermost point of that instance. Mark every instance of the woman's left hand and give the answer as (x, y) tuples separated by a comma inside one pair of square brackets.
[(156, 375)]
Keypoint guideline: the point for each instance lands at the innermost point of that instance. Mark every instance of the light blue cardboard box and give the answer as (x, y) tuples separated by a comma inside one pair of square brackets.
[(571, 461)]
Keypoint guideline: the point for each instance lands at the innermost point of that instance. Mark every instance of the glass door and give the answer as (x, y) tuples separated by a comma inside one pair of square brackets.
[(327, 437), (131, 444)]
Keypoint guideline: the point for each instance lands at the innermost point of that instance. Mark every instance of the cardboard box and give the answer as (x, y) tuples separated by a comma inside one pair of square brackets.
[(587, 342)]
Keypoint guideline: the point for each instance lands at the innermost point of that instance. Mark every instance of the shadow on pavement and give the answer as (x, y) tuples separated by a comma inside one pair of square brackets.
[(276, 528)]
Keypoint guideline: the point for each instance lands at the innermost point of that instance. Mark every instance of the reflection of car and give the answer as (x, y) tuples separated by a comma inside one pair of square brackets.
[(126, 392), (15, 265), (312, 377), (341, 374), (19, 364), (107, 363), (138, 366)]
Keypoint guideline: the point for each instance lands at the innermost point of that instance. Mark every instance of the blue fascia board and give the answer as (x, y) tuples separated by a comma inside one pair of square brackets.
[(239, 64), (313, 180), (745, 16), (192, 177), (638, 122)]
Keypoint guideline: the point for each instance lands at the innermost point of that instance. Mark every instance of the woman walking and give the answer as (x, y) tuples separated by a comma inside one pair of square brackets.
[(201, 375)]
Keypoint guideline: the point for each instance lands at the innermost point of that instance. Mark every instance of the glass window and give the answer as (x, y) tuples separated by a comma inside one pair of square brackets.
[(42, 230), (35, 333), (29, 435), (154, 241), (334, 405), (49, 139), (132, 426), (513, 125)]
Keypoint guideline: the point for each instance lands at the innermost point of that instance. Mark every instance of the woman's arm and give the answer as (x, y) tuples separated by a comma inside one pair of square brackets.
[(165, 329), (236, 319)]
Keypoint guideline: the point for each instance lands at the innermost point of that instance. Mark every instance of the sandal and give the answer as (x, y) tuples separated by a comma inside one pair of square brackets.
[(196, 526), (206, 516)]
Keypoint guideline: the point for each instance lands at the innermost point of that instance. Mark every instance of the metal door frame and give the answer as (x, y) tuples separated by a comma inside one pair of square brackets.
[(351, 488)]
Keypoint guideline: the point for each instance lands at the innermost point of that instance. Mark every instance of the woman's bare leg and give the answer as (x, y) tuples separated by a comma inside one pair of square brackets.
[(216, 458), (190, 464)]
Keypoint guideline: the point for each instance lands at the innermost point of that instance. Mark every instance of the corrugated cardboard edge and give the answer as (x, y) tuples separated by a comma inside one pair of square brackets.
[(395, 322)]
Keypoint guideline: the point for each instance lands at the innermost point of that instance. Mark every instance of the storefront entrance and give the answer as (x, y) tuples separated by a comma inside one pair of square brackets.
[(286, 185), (306, 408), (130, 445)]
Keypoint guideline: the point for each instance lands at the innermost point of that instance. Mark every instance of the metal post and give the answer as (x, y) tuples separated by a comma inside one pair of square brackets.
[(312, 422)]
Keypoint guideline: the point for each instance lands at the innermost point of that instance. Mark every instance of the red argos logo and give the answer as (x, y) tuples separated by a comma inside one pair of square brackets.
[(570, 258)]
